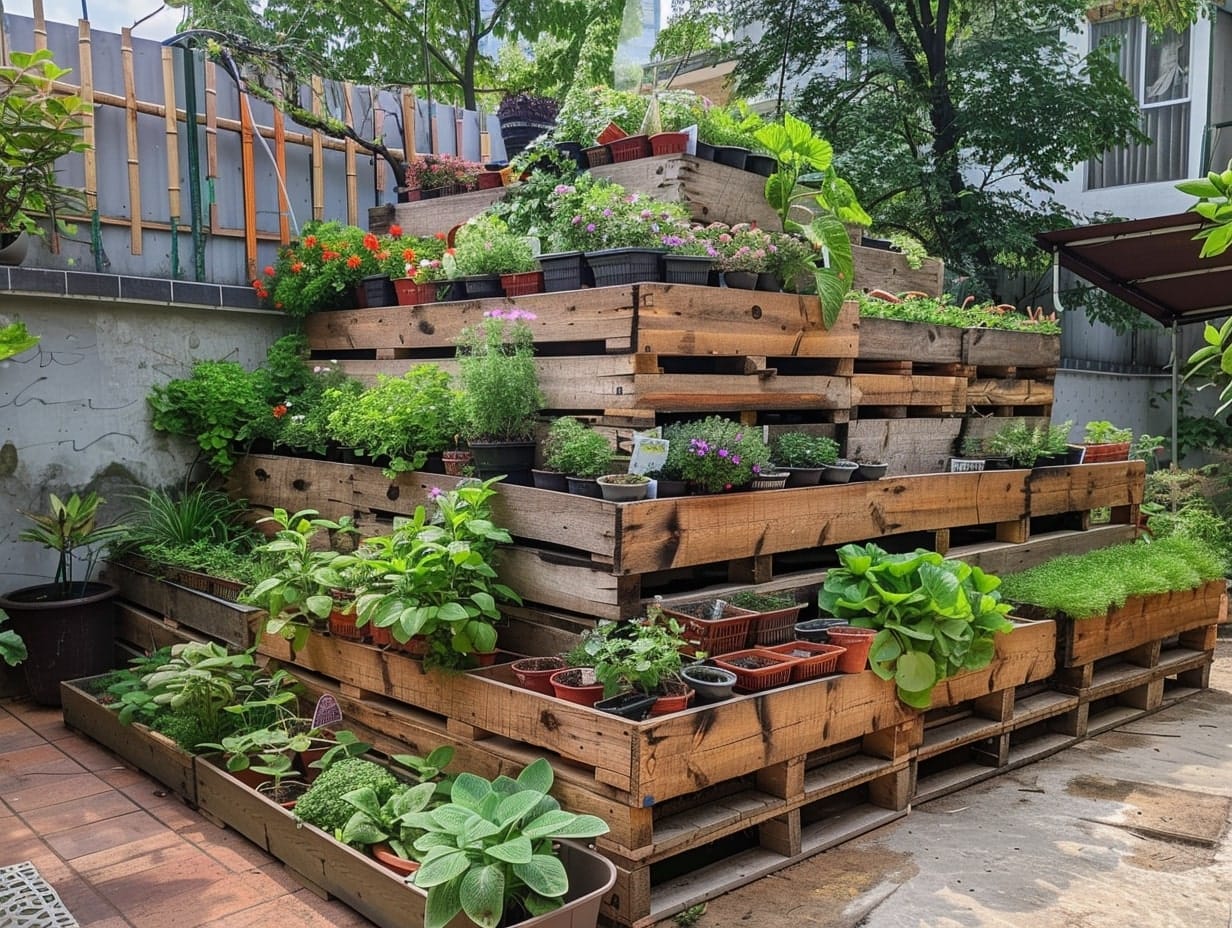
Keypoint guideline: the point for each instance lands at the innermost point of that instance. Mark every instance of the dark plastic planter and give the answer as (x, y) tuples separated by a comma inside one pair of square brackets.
[(564, 270), (615, 267), (731, 155), (764, 165), (632, 706), (687, 269)]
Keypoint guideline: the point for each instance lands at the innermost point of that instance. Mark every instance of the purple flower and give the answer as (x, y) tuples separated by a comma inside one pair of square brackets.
[(576, 219), (590, 227), (723, 453), (607, 212), (646, 214), (736, 460), (757, 468), (435, 493)]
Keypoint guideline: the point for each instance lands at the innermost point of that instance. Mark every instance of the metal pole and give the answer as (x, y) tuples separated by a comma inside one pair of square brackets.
[(194, 163), (1176, 389)]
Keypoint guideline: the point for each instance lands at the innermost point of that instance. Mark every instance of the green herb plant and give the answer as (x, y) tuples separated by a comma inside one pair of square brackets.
[(212, 407), (488, 852), (500, 386), (637, 655), (576, 450), (435, 577), (798, 449), (1103, 432), (296, 591), (323, 804), (942, 311), (486, 246), (934, 617)]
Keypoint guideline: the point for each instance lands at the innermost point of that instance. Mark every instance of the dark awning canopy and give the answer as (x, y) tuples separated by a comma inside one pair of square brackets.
[(1151, 264)]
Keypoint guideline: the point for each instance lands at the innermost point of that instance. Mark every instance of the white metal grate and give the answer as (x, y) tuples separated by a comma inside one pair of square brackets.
[(28, 901)]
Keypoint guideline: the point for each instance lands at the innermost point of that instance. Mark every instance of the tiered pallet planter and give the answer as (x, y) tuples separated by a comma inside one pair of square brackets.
[(593, 557), (216, 618), (966, 734), (138, 744), (624, 355), (1119, 665)]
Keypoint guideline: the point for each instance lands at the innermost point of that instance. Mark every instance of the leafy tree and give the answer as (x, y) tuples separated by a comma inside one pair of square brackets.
[(953, 119)]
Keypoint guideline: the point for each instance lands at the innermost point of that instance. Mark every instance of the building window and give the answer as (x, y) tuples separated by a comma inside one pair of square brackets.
[(1156, 67)]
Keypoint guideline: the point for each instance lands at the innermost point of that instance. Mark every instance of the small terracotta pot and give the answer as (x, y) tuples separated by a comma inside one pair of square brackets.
[(857, 641), (584, 693), (384, 854), (535, 673)]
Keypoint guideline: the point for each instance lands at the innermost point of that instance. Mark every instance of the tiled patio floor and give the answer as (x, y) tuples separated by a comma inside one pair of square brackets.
[(122, 851)]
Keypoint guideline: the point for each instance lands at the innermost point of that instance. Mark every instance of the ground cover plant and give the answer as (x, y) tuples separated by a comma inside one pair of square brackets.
[(1083, 586), (967, 315)]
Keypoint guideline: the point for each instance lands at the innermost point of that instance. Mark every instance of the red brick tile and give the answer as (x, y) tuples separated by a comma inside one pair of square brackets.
[(79, 811), (112, 833), (186, 871), (132, 857), (41, 759), (290, 910), (123, 776), (195, 906), (114, 921), (14, 736), (47, 721), (85, 904), (173, 813), (231, 849), (39, 790), (337, 913), (89, 753)]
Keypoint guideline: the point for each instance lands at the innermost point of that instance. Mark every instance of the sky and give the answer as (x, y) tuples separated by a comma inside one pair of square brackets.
[(108, 15)]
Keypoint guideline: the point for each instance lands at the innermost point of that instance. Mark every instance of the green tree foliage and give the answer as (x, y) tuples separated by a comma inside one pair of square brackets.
[(385, 42), (954, 119)]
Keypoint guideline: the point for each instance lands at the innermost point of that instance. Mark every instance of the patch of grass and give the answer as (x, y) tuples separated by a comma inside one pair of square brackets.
[(1083, 586), (688, 918)]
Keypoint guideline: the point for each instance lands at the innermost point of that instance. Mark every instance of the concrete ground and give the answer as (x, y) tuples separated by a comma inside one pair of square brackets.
[(1126, 829)]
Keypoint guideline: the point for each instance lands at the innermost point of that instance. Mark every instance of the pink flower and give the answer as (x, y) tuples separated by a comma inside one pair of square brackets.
[(435, 493)]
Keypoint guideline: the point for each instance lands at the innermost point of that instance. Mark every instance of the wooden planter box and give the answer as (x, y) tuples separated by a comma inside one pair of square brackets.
[(340, 871), (138, 744), (1025, 655), (648, 761), (1142, 620), (218, 618), (594, 552)]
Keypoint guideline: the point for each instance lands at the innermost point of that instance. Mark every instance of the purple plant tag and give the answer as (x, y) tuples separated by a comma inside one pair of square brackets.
[(327, 712)]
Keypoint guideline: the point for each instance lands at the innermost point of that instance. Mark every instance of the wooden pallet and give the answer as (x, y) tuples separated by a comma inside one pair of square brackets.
[(590, 557), (220, 619), (895, 341), (659, 319)]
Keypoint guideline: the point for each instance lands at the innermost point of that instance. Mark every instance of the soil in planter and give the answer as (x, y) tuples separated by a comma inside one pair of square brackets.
[(576, 677), (751, 663), (289, 791)]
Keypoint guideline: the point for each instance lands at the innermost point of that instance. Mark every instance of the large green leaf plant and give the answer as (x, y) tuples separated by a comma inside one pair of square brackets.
[(489, 849), (826, 203), (934, 617)]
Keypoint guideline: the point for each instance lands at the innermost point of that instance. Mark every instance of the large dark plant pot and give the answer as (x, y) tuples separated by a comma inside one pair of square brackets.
[(13, 247), (565, 270), (514, 459), (616, 267), (731, 155), (765, 165), (67, 638)]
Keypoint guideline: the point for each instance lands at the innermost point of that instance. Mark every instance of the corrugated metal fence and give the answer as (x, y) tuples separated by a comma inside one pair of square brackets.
[(139, 176)]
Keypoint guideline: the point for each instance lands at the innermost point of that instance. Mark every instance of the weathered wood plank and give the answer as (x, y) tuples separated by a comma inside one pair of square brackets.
[(998, 347), (1055, 490), (1025, 655), (889, 270), (597, 314), (1141, 620), (1000, 558), (427, 217), (946, 394), (683, 320), (217, 618), (712, 192), (1009, 392), (895, 340), (909, 446), (142, 747)]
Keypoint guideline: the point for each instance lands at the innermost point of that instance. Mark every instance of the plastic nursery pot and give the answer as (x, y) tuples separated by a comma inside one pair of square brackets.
[(549, 480), (839, 472), (803, 476), (676, 697), (712, 684), (618, 489), (534, 673), (632, 705), (816, 629), (584, 486), (857, 641), (872, 471), (577, 685)]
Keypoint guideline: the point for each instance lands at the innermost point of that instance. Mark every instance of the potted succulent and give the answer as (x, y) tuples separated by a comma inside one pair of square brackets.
[(1105, 442), (68, 625), (500, 394), (804, 456), (41, 126)]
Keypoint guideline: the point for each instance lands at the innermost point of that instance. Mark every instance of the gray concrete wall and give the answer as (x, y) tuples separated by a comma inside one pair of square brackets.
[(73, 413)]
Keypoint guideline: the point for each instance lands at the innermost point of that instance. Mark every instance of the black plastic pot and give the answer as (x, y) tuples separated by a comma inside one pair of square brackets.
[(66, 638), (632, 706), (705, 151), (765, 165), (687, 269), (565, 270), (575, 153), (514, 459), (615, 267), (712, 684), (482, 286), (730, 155), (816, 629)]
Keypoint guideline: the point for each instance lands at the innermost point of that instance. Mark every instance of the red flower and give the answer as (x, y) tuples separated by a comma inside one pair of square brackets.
[(256, 284), (441, 236), (395, 230), (354, 261), (310, 241), (328, 255), (382, 255), (279, 411), (408, 254), (451, 251), (371, 242), (269, 270), (297, 267)]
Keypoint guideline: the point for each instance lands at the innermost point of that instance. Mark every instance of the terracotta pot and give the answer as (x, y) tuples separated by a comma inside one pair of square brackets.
[(455, 462), (677, 698), (342, 625), (584, 692), (384, 854), (857, 641), (535, 673)]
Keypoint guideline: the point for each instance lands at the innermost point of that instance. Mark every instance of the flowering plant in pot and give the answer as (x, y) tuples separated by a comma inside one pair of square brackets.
[(718, 454), (486, 248), (804, 456), (744, 252), (67, 625), (443, 174)]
